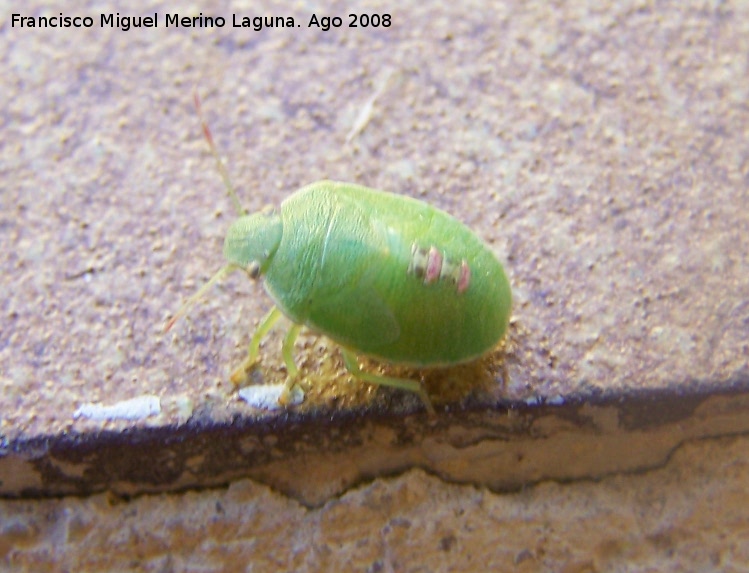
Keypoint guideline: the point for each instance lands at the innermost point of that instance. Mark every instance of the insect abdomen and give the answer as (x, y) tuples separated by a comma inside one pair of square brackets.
[(432, 265)]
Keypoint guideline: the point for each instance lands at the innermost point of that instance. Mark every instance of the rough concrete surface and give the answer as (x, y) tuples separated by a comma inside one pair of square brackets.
[(601, 152), (601, 149), (688, 516)]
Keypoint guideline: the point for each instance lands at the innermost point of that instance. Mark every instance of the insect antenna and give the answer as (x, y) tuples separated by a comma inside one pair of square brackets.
[(222, 272), (220, 164)]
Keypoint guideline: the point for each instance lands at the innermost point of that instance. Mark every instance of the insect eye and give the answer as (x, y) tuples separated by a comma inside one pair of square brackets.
[(253, 269)]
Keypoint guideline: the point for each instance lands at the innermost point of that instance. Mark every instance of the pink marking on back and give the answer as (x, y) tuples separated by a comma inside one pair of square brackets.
[(434, 266), (465, 277)]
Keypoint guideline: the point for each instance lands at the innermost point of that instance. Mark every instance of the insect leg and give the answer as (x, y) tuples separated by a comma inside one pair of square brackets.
[(239, 375), (352, 365), (287, 351)]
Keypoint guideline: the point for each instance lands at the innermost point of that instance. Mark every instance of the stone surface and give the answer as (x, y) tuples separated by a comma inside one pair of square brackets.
[(316, 458), (600, 149), (689, 515), (601, 152)]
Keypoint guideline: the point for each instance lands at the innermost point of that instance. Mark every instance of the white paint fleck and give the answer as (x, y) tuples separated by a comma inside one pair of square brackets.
[(133, 409), (267, 396)]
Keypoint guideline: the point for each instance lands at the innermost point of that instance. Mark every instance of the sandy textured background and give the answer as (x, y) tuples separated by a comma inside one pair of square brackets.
[(600, 149)]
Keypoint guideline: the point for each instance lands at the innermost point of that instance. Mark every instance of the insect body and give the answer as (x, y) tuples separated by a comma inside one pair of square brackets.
[(382, 275)]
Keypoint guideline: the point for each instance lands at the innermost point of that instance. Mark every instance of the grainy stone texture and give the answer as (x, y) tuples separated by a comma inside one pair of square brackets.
[(690, 515), (601, 149)]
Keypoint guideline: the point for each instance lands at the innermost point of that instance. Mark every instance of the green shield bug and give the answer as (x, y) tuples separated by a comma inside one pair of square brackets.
[(382, 275)]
